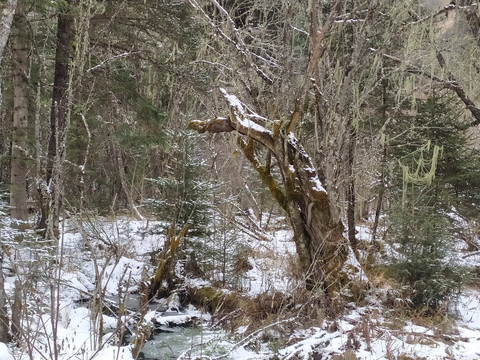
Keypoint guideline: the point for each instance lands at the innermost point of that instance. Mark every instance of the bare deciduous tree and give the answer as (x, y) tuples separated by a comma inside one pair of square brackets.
[(334, 81)]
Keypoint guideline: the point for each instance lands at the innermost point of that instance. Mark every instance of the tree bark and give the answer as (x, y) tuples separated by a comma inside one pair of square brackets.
[(7, 11), (17, 311), (18, 164), (4, 321), (61, 102), (351, 200)]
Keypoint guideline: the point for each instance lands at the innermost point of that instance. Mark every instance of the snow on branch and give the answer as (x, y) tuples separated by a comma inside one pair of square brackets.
[(242, 120), (308, 167), (349, 21), (247, 122)]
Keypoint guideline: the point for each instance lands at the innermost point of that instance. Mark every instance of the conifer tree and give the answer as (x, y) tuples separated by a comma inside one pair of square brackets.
[(433, 171), (421, 258), (183, 194)]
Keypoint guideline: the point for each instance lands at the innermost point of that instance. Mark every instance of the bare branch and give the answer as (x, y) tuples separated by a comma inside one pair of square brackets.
[(235, 40), (318, 49), (450, 83), (125, 54), (444, 11)]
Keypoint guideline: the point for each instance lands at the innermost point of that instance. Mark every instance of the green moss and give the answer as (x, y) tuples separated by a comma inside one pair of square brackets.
[(197, 125), (265, 175), (213, 300)]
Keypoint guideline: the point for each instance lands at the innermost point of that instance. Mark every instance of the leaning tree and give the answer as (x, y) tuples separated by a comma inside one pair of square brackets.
[(288, 77)]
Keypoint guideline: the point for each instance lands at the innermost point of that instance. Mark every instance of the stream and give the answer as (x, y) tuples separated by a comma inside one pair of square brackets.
[(181, 332), (192, 342)]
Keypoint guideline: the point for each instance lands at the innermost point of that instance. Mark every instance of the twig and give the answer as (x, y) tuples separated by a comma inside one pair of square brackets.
[(472, 254), (111, 59)]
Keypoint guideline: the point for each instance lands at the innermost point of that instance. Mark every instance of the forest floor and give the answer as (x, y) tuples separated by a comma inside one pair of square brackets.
[(118, 252)]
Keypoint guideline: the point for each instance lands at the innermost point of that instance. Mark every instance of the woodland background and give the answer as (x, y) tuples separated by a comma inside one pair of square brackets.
[(217, 117)]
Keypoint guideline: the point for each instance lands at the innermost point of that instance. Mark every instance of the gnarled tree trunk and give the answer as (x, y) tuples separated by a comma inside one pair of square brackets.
[(322, 249)]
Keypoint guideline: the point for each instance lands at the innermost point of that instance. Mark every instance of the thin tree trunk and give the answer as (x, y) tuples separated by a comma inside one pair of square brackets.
[(123, 180), (382, 173), (4, 321), (351, 192), (18, 164), (7, 11), (61, 102), (17, 311), (117, 155), (380, 197)]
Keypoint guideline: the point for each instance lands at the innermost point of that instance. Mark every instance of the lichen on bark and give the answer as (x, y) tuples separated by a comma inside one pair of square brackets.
[(322, 249)]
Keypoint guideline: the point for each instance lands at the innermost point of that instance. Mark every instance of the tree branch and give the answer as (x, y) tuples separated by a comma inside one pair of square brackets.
[(235, 40), (318, 49), (450, 83)]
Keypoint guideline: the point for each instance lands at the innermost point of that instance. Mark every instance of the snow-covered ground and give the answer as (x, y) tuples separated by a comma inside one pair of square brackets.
[(369, 332)]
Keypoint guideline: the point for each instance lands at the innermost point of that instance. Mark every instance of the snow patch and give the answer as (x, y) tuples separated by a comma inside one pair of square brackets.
[(5, 353)]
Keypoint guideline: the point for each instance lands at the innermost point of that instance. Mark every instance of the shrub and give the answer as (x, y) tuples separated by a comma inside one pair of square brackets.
[(422, 260)]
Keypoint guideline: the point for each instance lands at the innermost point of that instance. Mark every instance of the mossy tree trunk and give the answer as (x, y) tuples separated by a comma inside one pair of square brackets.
[(326, 91), (167, 260), (318, 236)]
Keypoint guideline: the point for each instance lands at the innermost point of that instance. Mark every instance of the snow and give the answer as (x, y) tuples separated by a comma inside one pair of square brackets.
[(366, 331), (468, 308), (317, 185), (242, 117), (410, 341), (309, 169), (177, 317), (268, 266), (114, 352), (5, 353), (119, 274)]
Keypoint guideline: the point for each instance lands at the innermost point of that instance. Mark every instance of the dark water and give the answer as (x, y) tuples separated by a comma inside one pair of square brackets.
[(170, 342), (176, 341)]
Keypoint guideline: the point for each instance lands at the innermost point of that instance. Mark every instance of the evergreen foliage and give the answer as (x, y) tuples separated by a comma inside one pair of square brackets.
[(429, 153), (183, 194), (421, 259), (432, 147)]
